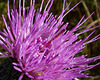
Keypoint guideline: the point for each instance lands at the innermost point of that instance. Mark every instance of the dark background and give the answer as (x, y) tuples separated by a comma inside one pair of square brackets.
[(86, 7)]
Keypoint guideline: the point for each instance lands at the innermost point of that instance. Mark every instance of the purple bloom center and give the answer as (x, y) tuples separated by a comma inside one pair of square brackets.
[(41, 45)]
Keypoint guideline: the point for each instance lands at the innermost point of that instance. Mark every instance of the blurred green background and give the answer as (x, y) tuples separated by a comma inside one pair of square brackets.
[(86, 7)]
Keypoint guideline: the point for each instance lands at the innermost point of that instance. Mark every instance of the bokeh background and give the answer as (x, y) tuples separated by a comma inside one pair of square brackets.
[(86, 7)]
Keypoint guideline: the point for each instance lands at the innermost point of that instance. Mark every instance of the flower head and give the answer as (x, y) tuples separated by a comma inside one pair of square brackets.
[(41, 45)]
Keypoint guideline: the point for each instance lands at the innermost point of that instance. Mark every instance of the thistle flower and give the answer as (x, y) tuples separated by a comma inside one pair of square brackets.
[(41, 45)]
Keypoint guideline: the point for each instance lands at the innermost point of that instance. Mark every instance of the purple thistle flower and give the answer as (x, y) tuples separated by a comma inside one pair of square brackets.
[(42, 47)]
